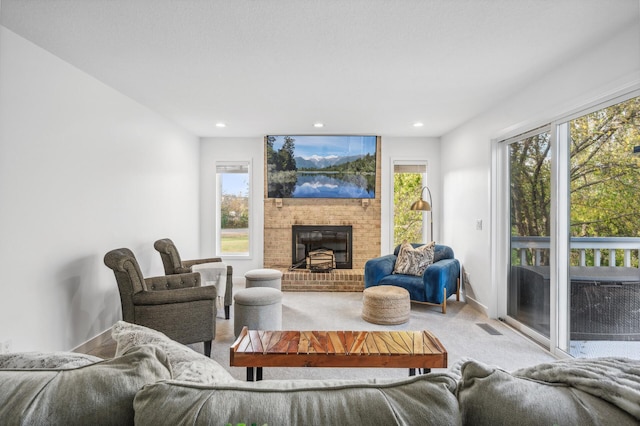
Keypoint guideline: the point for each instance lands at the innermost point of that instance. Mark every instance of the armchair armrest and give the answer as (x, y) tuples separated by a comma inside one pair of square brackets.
[(172, 282), (180, 295), (378, 268), (189, 263), (440, 275), (228, 295)]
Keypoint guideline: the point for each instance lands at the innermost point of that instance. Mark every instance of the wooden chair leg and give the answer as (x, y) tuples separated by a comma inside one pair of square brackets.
[(444, 302), (458, 291), (207, 348)]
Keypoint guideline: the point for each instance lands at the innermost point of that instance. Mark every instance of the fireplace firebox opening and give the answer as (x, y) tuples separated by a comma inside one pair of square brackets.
[(321, 248)]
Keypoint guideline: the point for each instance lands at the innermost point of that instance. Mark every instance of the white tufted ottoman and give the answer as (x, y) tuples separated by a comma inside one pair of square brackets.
[(386, 304), (263, 278), (259, 308)]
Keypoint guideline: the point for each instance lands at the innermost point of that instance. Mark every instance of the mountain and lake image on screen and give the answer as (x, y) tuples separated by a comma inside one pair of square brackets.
[(321, 166)]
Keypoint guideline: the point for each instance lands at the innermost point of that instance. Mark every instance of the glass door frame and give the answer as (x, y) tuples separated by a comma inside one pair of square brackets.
[(558, 341), (501, 238)]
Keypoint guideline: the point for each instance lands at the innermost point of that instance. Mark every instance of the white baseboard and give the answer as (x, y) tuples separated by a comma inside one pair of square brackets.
[(477, 305), (94, 343)]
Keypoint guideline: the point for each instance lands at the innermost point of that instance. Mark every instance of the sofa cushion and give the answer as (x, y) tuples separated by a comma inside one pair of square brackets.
[(421, 400), (58, 360), (414, 285), (490, 396), (414, 261), (186, 364), (96, 394)]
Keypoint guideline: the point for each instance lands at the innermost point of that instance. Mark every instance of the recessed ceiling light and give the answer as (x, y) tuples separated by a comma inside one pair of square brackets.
[(318, 125), (221, 125), (418, 124)]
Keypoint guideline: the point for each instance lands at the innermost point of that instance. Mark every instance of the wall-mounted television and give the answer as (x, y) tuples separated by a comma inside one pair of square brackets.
[(321, 166)]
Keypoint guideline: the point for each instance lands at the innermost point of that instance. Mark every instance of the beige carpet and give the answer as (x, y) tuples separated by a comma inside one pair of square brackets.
[(463, 331)]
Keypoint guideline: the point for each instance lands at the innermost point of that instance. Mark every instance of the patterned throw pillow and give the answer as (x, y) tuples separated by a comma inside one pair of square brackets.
[(414, 261)]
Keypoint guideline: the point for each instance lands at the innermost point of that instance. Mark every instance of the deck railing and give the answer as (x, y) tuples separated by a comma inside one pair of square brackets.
[(537, 249)]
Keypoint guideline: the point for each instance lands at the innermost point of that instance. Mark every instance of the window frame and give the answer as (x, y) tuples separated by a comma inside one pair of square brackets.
[(218, 206), (425, 215)]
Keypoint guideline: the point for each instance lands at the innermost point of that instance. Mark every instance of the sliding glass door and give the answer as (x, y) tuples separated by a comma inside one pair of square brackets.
[(604, 288), (574, 231), (530, 198)]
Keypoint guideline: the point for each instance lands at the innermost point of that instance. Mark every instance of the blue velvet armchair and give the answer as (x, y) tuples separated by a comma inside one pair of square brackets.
[(439, 281)]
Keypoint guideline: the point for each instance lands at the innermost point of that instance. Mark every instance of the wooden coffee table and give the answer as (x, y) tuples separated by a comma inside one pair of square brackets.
[(255, 349)]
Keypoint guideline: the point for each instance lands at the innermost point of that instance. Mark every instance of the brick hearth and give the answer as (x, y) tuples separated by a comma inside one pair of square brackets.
[(336, 280)]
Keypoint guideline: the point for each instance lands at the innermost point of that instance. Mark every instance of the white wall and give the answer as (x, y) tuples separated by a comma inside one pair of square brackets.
[(415, 149), (466, 152), (232, 149), (83, 169)]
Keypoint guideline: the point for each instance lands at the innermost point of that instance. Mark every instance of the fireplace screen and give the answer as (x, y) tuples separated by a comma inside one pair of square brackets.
[(321, 248)]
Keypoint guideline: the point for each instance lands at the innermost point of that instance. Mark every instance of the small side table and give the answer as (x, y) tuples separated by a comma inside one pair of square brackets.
[(214, 273)]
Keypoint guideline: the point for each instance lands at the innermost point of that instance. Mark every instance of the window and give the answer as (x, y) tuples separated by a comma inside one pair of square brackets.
[(233, 221), (408, 180)]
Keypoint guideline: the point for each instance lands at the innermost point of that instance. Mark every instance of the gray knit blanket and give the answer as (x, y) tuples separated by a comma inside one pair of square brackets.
[(616, 380)]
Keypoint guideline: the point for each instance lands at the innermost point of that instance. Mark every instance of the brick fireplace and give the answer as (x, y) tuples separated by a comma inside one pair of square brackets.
[(280, 215)]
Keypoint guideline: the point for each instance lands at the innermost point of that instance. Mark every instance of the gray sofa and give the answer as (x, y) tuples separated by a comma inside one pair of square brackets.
[(154, 380)]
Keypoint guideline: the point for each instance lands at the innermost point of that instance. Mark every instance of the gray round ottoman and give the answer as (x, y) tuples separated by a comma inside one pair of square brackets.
[(386, 304), (263, 278), (259, 308)]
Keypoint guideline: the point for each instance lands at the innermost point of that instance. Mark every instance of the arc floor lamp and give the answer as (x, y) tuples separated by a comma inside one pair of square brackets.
[(425, 206)]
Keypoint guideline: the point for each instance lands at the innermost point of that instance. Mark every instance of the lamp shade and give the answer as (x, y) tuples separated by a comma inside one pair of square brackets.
[(421, 205), (425, 206)]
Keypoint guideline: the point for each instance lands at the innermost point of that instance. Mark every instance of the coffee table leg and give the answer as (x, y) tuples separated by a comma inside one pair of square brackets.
[(249, 374), (258, 373), (412, 371)]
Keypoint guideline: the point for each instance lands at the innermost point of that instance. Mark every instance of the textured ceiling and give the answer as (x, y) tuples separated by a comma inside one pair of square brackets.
[(278, 66)]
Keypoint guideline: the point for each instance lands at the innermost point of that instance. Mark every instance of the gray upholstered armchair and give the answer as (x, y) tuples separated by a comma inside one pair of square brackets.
[(174, 265), (176, 305)]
